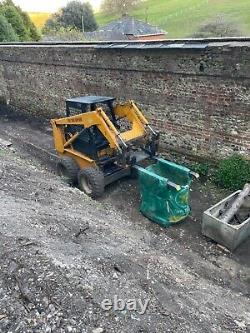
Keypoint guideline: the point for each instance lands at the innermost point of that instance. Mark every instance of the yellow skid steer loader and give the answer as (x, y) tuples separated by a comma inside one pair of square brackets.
[(101, 141)]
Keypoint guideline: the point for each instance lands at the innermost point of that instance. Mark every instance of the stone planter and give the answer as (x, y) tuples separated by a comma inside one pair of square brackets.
[(228, 235)]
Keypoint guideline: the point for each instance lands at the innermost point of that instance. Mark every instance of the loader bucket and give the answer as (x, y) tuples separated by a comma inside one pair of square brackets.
[(164, 188)]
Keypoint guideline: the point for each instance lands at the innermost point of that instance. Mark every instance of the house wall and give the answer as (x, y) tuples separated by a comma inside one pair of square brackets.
[(198, 98)]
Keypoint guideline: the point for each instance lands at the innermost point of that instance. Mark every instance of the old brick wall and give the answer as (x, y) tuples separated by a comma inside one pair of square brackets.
[(199, 98)]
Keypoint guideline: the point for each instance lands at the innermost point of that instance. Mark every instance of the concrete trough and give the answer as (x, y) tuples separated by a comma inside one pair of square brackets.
[(228, 235)]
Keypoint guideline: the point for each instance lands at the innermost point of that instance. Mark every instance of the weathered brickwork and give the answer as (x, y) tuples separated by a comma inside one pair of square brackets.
[(198, 98)]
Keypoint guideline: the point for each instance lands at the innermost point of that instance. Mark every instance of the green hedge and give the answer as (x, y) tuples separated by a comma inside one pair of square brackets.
[(233, 172)]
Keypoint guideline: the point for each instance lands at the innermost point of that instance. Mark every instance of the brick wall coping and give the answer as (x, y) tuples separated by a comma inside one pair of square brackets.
[(156, 44)]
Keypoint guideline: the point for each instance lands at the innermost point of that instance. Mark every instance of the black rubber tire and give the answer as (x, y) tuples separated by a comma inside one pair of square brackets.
[(91, 181), (68, 170)]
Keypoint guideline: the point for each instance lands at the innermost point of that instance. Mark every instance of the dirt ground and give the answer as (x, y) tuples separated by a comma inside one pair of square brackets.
[(62, 254)]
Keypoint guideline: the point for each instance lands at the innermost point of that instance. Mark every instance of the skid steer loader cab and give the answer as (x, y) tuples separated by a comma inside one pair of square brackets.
[(91, 141), (100, 141)]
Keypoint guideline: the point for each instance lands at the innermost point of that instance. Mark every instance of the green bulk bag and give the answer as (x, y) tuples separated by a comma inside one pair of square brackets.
[(164, 188)]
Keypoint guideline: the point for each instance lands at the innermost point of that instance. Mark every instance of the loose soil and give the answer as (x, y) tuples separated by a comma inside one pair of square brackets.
[(63, 253)]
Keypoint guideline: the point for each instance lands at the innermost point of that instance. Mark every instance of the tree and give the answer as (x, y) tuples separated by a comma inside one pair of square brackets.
[(118, 6), (53, 23), (19, 20), (16, 21), (7, 3), (30, 26), (220, 26), (75, 14), (7, 33)]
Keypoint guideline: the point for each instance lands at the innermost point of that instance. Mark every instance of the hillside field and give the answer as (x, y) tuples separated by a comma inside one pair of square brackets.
[(39, 18), (181, 18)]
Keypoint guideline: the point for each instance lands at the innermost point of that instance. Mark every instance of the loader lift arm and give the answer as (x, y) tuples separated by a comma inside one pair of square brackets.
[(101, 136)]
